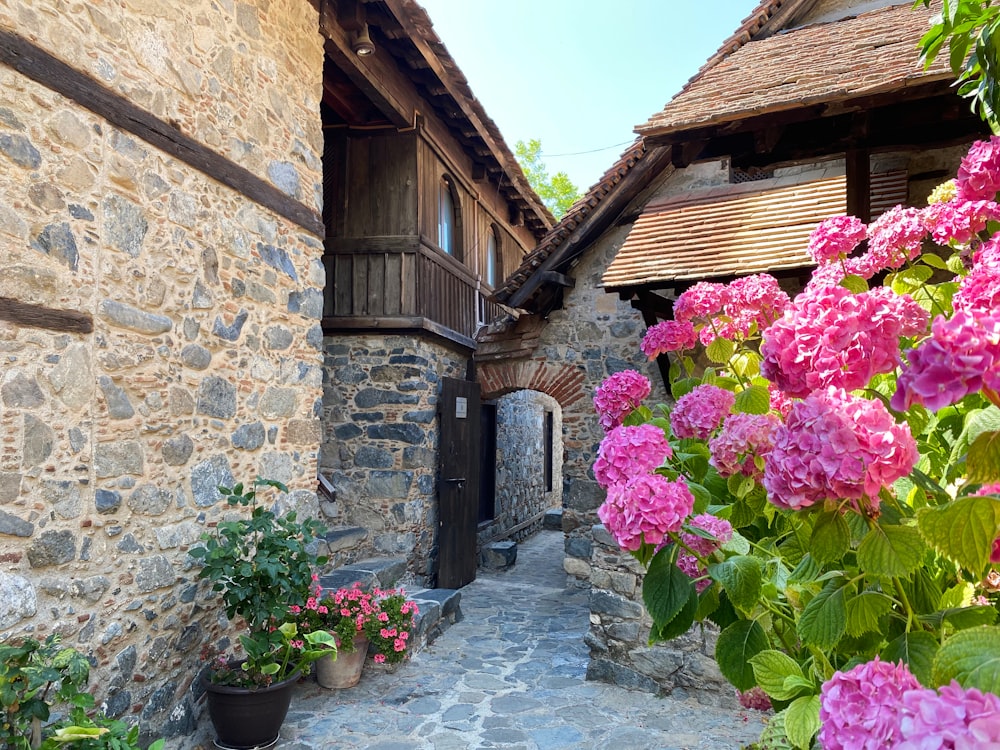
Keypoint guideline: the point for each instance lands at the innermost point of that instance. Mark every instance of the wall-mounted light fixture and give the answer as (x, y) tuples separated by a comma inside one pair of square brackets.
[(362, 42)]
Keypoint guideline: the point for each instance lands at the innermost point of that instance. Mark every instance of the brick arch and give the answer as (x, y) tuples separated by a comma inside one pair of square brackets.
[(562, 382)]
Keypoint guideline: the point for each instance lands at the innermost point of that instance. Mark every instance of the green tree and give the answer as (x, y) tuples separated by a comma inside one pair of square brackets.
[(557, 192), (969, 29)]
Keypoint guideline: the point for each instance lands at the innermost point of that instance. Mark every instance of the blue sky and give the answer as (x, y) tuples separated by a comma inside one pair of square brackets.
[(579, 75)]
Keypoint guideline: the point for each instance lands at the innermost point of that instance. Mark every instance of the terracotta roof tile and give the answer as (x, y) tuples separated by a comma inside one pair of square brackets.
[(736, 229), (825, 62)]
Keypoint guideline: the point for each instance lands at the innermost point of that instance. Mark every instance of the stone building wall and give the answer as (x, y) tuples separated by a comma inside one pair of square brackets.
[(204, 364), (521, 494), (380, 443)]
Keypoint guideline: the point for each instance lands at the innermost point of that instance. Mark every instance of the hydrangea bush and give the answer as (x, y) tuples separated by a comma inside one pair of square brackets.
[(827, 489)]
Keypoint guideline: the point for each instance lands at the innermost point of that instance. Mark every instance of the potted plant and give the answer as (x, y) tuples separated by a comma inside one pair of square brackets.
[(260, 563), (344, 615), (390, 630)]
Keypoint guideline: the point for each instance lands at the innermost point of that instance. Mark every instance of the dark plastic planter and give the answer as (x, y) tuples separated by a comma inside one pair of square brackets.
[(246, 718)]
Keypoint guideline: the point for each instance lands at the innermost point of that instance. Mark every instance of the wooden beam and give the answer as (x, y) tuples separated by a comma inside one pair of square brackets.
[(559, 279), (650, 318), (859, 184), (50, 318), (377, 78), (32, 61)]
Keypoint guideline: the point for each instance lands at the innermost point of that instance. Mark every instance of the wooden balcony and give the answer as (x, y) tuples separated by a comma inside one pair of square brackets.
[(402, 284)]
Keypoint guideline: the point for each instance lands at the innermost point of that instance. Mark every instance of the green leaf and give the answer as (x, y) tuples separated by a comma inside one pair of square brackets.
[(736, 646), (802, 720), (824, 620), (738, 544), (683, 386), (702, 497), (911, 278), (753, 400), (970, 617), (665, 589), (864, 612), (771, 668), (891, 551), (972, 657), (680, 623), (854, 283), (962, 531), (917, 650), (983, 461), (934, 261), (741, 577), (720, 350), (831, 537)]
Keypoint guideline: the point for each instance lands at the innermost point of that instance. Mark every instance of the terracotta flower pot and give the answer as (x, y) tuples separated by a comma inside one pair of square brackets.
[(342, 670), (247, 718)]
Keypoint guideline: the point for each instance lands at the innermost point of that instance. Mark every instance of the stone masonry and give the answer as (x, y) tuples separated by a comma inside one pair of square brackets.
[(204, 365), (380, 443)]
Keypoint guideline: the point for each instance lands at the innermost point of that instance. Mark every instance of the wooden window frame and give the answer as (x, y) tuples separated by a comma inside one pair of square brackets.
[(453, 247)]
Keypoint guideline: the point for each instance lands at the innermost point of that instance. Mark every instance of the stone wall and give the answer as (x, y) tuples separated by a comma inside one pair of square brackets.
[(204, 362), (380, 443), (521, 494)]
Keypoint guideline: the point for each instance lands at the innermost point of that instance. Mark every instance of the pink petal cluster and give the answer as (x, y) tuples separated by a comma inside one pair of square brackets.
[(720, 529), (668, 336), (619, 395), (893, 238), (958, 220), (961, 356), (859, 708), (979, 174), (950, 718), (836, 238), (830, 336), (838, 446), (979, 291), (701, 302), (754, 301), (697, 414), (754, 698), (645, 509), (629, 451), (743, 438)]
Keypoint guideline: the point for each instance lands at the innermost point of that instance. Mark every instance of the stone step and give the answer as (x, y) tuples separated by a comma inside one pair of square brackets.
[(553, 519), (499, 555), (342, 538), (382, 572), (437, 610)]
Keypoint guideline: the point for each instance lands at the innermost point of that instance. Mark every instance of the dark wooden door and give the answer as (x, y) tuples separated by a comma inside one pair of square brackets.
[(458, 485)]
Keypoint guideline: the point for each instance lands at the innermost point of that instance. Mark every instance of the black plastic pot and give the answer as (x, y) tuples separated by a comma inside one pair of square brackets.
[(244, 718)]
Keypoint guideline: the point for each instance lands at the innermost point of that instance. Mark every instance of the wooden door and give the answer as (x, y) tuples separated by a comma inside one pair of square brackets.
[(458, 484)]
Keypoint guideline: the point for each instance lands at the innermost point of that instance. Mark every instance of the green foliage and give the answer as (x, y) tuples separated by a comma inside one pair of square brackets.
[(557, 191), (261, 564), (972, 657), (36, 676), (968, 28)]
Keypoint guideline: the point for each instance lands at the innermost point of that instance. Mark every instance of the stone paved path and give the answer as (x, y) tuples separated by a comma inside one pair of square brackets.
[(509, 675)]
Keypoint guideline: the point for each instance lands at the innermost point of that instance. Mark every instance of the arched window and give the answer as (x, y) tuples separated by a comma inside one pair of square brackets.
[(492, 257), (448, 224)]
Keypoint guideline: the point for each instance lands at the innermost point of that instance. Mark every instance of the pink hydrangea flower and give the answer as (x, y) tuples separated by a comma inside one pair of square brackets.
[(647, 508), (950, 718), (839, 446), (697, 414), (894, 238), (668, 336), (701, 302), (961, 356), (720, 529), (756, 300), (830, 336), (835, 238), (957, 220), (781, 402), (859, 709), (743, 438), (988, 489), (755, 699), (979, 174), (627, 452), (619, 395), (979, 291)]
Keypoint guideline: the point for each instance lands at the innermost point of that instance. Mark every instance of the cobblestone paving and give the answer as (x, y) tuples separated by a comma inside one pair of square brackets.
[(509, 675)]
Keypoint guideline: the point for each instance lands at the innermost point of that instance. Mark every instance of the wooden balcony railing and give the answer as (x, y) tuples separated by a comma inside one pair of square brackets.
[(401, 282)]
